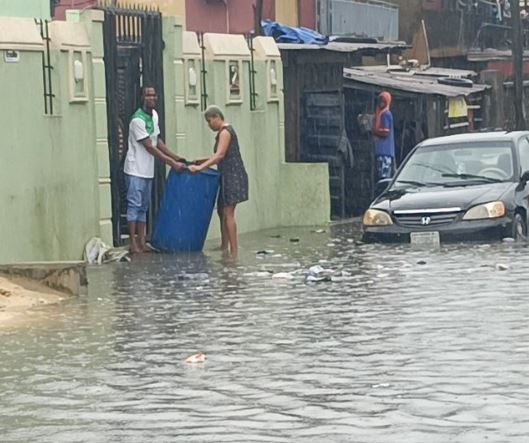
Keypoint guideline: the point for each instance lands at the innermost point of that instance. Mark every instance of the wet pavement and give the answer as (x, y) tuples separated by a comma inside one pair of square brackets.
[(401, 345)]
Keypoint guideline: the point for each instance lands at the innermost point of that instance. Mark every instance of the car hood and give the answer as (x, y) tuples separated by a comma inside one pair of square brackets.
[(463, 197)]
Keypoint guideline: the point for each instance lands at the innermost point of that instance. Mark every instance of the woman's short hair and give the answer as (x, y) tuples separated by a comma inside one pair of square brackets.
[(212, 112)]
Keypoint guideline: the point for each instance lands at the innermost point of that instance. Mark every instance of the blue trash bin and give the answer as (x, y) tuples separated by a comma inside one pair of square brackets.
[(185, 212)]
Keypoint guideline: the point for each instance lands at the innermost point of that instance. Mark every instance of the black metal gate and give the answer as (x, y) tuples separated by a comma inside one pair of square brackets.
[(133, 57)]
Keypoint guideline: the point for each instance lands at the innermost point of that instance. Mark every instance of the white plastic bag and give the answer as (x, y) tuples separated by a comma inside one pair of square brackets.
[(95, 250)]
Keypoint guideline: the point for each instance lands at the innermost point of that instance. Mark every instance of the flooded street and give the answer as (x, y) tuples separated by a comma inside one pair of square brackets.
[(402, 345)]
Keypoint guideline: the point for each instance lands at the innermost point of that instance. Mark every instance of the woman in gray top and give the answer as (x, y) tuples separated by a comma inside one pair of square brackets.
[(233, 178)]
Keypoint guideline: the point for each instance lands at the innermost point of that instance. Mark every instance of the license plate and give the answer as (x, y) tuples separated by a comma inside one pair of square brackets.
[(425, 238)]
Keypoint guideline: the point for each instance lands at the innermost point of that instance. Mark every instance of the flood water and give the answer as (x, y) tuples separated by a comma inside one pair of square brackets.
[(402, 345)]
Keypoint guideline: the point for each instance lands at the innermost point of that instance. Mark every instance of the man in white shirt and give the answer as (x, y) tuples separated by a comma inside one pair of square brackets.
[(145, 144)]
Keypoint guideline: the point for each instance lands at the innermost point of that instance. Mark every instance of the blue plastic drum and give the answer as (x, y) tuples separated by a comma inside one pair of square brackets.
[(185, 212)]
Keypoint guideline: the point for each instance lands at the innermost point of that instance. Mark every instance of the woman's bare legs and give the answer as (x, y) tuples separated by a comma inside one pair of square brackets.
[(223, 235), (230, 229)]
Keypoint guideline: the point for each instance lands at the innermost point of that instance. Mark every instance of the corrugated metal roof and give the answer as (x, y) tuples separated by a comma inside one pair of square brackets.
[(446, 72), (492, 54), (409, 82), (345, 47), (431, 71)]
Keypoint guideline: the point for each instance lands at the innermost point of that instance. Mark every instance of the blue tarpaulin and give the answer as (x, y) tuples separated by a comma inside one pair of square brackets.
[(287, 34)]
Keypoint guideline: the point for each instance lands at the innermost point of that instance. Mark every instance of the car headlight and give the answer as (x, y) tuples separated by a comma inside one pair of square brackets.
[(487, 210), (375, 217)]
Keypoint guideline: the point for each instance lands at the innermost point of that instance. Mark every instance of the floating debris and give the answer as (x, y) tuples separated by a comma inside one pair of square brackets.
[(342, 276), (199, 357), (421, 262), (283, 276), (294, 240), (317, 278), (381, 385), (258, 274), (202, 276), (501, 267), (265, 252), (318, 274)]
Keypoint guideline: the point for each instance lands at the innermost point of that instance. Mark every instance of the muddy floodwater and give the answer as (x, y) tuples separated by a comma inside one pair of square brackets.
[(395, 345)]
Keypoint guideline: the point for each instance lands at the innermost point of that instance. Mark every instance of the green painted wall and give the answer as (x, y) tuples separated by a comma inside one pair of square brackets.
[(55, 189), (281, 194), (49, 193), (25, 8)]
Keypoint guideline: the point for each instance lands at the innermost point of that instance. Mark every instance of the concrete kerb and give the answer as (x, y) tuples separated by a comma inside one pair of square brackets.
[(69, 277)]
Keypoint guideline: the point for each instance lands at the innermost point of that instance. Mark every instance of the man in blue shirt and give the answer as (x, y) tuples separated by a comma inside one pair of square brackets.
[(384, 137)]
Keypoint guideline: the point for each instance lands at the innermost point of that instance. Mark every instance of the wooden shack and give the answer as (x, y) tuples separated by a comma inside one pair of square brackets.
[(424, 106), (314, 103)]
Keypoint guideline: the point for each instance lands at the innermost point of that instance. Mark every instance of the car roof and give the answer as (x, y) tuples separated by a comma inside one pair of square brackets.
[(474, 137)]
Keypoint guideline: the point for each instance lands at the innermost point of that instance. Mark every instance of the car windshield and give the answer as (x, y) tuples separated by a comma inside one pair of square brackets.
[(457, 165)]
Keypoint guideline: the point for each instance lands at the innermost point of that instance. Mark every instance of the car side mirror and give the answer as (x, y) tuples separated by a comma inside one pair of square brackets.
[(382, 185), (523, 181)]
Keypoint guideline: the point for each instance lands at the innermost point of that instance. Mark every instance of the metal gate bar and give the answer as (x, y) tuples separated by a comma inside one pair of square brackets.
[(133, 57)]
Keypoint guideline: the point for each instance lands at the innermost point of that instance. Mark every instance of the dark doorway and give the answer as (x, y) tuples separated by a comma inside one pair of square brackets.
[(322, 125), (133, 57), (359, 111)]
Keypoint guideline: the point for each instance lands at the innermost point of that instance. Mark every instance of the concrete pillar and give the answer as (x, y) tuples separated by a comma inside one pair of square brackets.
[(93, 21), (174, 84)]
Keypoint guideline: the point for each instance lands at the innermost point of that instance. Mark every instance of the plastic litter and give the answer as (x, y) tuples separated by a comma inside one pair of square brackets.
[(317, 279), (287, 34), (97, 251), (342, 276), (258, 274), (283, 276), (381, 385), (199, 357), (318, 274), (316, 269)]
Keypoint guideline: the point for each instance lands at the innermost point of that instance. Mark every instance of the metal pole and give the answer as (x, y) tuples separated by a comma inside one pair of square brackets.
[(517, 57), (258, 16)]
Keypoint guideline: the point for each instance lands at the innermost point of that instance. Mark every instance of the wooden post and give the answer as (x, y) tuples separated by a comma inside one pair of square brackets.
[(517, 57)]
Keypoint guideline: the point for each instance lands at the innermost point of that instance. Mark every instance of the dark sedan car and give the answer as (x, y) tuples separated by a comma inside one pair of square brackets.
[(461, 187)]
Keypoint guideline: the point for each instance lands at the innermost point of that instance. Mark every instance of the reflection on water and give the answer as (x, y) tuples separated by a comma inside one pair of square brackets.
[(403, 345)]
